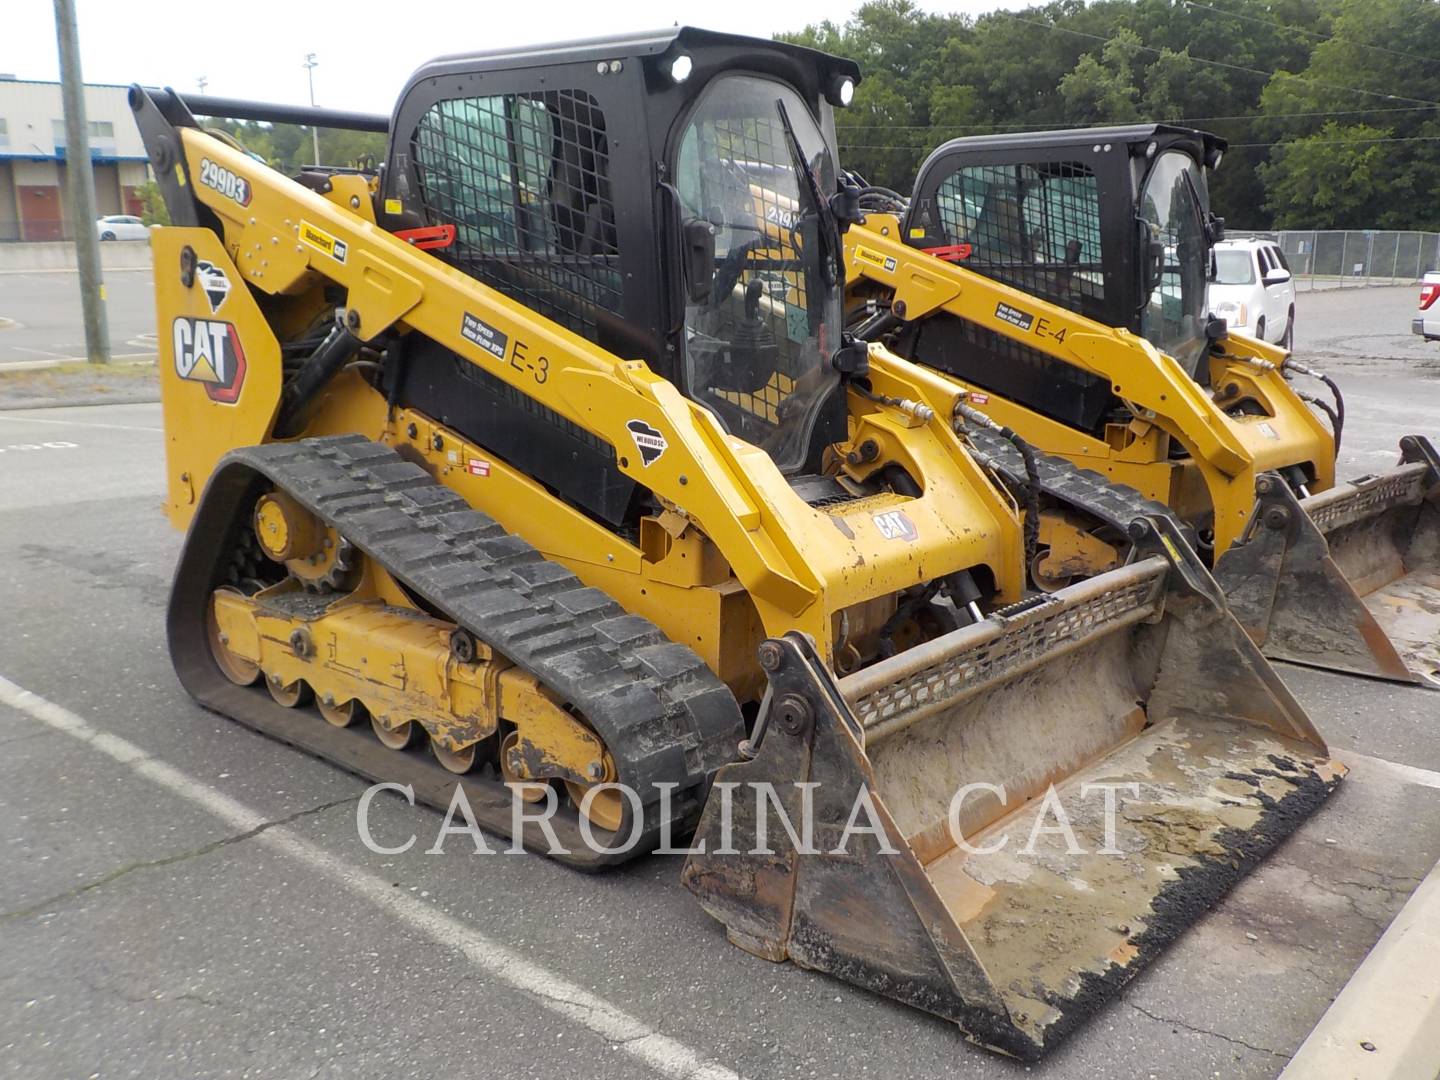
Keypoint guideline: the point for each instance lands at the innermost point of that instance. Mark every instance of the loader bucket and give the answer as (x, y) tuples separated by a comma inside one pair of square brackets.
[(1348, 579), (1138, 677)]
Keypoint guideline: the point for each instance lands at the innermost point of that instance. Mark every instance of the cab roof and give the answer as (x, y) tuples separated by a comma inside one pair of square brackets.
[(634, 44), (1201, 145)]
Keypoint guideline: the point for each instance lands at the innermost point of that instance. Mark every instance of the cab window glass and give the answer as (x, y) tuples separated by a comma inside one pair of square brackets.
[(1173, 208), (763, 319)]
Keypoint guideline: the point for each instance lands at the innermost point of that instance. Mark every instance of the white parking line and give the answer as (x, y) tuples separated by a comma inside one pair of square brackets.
[(626, 1033), (79, 423), (37, 352)]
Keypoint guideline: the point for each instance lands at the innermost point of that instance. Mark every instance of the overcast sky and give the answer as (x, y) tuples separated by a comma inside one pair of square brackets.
[(256, 48)]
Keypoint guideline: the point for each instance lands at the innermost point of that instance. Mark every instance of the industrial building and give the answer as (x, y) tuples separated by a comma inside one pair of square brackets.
[(34, 203)]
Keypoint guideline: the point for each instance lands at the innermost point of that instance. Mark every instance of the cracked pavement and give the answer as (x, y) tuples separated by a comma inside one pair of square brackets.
[(1176, 1024), (50, 903), (140, 936)]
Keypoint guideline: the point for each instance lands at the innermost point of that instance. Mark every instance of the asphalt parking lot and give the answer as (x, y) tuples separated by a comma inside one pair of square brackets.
[(183, 898), (1390, 376), (45, 311)]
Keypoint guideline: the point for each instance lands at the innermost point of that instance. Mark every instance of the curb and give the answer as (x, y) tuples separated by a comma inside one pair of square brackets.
[(1385, 1025), (75, 270), (78, 401)]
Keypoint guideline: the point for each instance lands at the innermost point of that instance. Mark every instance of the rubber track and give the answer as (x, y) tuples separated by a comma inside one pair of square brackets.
[(661, 712), (1112, 504)]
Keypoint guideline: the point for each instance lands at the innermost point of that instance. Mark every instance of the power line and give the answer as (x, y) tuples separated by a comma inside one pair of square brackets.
[(1310, 33), (1334, 142), (1233, 146), (1048, 125), (1213, 63)]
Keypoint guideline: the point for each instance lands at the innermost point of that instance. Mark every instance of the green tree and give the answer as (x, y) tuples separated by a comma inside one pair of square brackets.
[(956, 108), (901, 50), (289, 147), (1331, 178), (154, 211), (1175, 87), (1376, 78), (1103, 90), (929, 78)]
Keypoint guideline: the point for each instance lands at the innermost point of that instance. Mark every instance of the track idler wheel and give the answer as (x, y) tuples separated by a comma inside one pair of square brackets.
[(606, 809), (234, 667), (1040, 576)]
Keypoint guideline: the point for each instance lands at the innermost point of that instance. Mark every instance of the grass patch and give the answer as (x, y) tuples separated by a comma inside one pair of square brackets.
[(79, 382)]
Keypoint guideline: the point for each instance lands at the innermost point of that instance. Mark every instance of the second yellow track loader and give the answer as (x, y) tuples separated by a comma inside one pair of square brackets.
[(1061, 277), (538, 463)]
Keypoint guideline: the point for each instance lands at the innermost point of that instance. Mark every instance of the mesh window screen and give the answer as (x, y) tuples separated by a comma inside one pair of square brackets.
[(524, 178), (1036, 227)]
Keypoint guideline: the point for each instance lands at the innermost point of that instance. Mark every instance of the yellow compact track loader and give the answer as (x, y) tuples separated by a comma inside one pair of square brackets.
[(537, 460), (1061, 277)]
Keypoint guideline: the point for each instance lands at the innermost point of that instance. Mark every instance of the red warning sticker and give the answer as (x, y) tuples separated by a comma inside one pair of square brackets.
[(478, 467)]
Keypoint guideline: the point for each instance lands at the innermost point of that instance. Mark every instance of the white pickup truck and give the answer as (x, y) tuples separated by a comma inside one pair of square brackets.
[(1427, 323)]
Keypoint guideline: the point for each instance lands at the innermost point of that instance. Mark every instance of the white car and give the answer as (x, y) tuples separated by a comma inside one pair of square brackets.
[(122, 227), (1253, 290), (1427, 323)]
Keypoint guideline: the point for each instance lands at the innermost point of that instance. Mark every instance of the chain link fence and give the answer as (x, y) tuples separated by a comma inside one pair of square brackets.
[(1337, 259)]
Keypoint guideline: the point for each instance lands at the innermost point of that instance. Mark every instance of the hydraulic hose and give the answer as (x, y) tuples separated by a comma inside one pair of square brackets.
[(881, 199), (1338, 416), (1326, 408), (877, 326), (1032, 472), (337, 350), (917, 409)]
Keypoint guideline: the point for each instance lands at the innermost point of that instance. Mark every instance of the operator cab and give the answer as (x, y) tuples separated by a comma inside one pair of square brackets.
[(666, 196), (1112, 223)]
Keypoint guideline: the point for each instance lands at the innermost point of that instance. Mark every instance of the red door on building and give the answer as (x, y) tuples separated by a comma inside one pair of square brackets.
[(130, 197), (41, 216)]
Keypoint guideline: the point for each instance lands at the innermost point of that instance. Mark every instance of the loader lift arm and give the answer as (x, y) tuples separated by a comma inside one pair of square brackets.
[(280, 237), (1230, 454)]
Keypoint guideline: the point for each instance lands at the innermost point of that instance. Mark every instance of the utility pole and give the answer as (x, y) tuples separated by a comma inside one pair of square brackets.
[(202, 82), (81, 177), (310, 65)]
